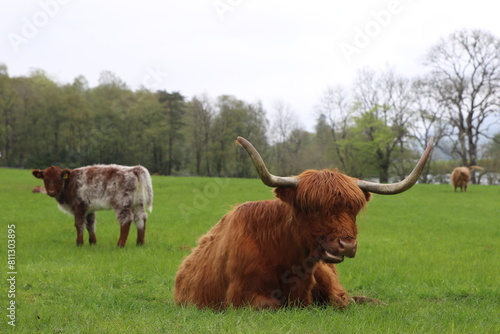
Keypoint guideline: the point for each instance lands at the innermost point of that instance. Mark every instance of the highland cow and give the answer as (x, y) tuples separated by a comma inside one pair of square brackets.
[(460, 177), (282, 252)]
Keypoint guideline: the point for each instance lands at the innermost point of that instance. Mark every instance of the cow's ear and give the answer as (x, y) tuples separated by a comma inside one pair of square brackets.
[(38, 173), (65, 173), (286, 194)]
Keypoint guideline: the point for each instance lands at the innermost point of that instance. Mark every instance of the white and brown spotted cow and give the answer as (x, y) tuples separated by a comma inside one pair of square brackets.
[(82, 191)]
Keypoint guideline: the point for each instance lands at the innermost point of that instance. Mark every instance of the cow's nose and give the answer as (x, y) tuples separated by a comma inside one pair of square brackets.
[(347, 248)]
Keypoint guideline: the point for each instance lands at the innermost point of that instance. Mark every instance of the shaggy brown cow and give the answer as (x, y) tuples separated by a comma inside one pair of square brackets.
[(460, 177), (281, 252), (82, 191)]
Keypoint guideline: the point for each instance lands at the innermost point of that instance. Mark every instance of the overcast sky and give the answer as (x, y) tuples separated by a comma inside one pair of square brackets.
[(256, 50)]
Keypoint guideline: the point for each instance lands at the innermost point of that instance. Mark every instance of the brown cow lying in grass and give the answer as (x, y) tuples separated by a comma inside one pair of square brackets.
[(82, 191), (39, 189), (282, 252)]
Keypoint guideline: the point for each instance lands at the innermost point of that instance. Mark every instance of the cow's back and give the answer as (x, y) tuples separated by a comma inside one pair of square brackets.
[(104, 187), (460, 176)]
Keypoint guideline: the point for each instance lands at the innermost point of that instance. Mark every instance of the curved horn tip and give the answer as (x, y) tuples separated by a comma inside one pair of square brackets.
[(241, 141), (407, 183), (267, 178)]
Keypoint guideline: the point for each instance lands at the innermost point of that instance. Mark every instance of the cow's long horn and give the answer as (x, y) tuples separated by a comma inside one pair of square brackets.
[(267, 178), (407, 183)]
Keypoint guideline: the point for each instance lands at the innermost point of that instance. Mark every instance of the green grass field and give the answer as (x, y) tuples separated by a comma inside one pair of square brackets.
[(431, 255)]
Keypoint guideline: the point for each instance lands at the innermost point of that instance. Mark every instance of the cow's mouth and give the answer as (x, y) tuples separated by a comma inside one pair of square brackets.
[(327, 256)]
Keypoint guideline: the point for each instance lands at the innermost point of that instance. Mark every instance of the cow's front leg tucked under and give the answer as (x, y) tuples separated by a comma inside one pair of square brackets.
[(238, 296), (262, 302), (328, 290)]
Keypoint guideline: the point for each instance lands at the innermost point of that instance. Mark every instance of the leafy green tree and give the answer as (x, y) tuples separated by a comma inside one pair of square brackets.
[(77, 123), (109, 101), (145, 133), (236, 118), (9, 118), (370, 140), (173, 108), (387, 98), (200, 118), (38, 120)]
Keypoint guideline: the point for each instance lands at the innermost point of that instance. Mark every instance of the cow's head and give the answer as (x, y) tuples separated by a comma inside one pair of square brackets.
[(325, 203), (53, 178)]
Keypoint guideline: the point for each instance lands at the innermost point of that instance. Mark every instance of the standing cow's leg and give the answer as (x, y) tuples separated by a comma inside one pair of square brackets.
[(80, 227), (125, 217), (90, 220), (140, 218), (124, 230)]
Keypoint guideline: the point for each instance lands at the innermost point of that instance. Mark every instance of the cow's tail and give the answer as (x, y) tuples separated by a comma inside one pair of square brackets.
[(145, 187), (476, 168)]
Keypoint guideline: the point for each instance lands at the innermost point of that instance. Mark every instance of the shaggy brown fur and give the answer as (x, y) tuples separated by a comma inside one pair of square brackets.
[(276, 253), (460, 177)]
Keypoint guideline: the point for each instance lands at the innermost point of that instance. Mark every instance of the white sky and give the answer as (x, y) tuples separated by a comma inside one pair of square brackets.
[(253, 49)]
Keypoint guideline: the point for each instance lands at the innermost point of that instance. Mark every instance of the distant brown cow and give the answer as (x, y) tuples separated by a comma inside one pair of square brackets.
[(82, 191), (460, 177), (39, 189), (275, 253)]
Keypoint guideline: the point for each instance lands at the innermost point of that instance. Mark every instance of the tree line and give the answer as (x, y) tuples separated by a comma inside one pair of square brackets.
[(375, 128)]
